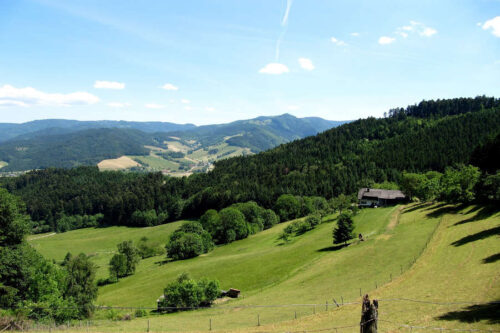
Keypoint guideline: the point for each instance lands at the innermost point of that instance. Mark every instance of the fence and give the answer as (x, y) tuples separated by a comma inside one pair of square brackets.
[(231, 318)]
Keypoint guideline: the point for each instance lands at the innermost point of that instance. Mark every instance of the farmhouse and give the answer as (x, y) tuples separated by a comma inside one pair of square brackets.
[(371, 197)]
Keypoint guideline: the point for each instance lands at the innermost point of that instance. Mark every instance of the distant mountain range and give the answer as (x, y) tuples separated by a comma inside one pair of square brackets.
[(149, 146)]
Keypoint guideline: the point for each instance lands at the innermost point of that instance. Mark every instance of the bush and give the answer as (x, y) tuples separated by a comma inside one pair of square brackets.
[(313, 220), (232, 226), (288, 207), (140, 313), (186, 293), (269, 218), (118, 266), (189, 241)]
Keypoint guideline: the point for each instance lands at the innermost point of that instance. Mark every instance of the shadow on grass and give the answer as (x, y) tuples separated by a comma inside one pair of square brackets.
[(482, 214), (446, 209), (491, 259), (163, 262), (477, 236), (474, 313), (417, 206), (333, 248)]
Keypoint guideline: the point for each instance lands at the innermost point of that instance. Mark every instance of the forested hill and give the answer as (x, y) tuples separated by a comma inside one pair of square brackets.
[(70, 143), (61, 126), (337, 161)]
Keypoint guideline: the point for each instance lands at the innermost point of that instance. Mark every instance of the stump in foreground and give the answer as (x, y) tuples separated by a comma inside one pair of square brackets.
[(369, 315)]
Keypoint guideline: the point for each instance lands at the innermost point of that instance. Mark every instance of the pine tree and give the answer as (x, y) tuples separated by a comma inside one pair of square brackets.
[(344, 230)]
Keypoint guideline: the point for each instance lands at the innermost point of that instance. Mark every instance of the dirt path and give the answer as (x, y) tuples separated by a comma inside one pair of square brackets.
[(39, 237), (395, 218)]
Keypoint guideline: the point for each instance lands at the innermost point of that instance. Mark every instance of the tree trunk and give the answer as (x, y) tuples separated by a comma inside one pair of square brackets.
[(369, 315)]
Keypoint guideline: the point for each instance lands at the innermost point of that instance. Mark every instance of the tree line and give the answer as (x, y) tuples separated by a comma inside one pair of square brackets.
[(430, 136)]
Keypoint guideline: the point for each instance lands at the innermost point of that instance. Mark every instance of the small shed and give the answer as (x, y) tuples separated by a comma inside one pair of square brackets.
[(371, 197), (233, 293)]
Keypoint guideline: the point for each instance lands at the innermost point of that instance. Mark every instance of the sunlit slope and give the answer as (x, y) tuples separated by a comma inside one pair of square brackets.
[(99, 243), (460, 263)]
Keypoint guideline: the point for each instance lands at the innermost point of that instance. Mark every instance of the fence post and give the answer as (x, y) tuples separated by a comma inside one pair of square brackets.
[(401, 269), (326, 306), (258, 320), (314, 309), (359, 291), (391, 277), (210, 324), (295, 314), (376, 287), (148, 325), (342, 298)]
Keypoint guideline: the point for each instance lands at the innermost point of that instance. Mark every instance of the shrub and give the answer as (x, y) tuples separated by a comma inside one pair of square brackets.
[(186, 293), (118, 266), (140, 313), (232, 226), (269, 218), (189, 241), (288, 207)]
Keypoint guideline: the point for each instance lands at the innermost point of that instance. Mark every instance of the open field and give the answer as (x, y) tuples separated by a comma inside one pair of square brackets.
[(432, 253), (100, 243), (120, 163), (3, 164)]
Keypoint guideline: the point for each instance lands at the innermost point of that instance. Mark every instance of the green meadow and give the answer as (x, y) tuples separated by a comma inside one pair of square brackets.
[(435, 253)]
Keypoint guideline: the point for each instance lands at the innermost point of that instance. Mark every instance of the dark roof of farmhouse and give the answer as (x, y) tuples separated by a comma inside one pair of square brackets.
[(372, 193)]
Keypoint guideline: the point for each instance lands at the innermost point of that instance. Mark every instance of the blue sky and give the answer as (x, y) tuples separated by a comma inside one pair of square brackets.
[(214, 61)]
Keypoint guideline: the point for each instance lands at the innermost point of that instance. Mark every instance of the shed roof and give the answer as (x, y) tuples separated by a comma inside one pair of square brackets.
[(380, 194)]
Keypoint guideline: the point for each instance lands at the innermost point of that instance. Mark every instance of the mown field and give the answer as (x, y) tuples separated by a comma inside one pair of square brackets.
[(433, 253)]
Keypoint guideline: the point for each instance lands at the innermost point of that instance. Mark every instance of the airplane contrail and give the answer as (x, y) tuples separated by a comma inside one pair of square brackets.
[(284, 24)]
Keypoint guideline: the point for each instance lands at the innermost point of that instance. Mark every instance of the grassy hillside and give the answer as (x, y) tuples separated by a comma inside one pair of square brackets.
[(460, 263)]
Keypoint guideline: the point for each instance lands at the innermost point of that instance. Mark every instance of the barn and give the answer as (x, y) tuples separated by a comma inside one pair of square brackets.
[(371, 197)]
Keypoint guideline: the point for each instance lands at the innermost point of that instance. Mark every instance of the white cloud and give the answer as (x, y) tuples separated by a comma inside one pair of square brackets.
[(384, 40), (169, 86), (188, 108), (109, 85), (154, 106), (337, 41), (494, 25), (185, 101), (293, 107), (118, 104), (479, 24), (355, 34), (306, 64), (415, 27), (428, 32), (210, 108), (12, 96), (274, 68)]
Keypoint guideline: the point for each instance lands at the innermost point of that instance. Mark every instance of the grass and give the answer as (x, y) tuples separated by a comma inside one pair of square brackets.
[(457, 259), (3, 164), (156, 162), (100, 243), (123, 162)]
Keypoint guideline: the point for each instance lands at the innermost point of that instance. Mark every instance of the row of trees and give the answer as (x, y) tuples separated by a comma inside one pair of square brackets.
[(463, 183), (30, 285)]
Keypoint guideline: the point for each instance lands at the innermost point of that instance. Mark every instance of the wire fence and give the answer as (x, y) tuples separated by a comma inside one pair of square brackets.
[(270, 315)]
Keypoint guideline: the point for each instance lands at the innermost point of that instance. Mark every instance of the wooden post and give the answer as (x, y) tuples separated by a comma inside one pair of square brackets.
[(342, 298), (369, 315), (401, 269), (148, 325), (376, 285), (210, 324), (258, 320), (326, 306), (295, 314), (391, 277), (359, 291)]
